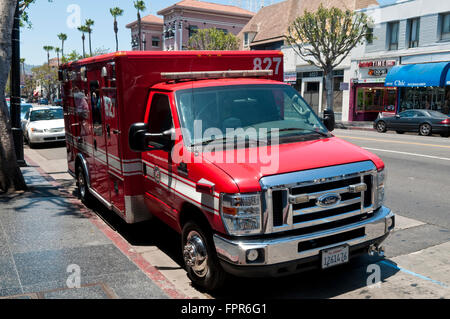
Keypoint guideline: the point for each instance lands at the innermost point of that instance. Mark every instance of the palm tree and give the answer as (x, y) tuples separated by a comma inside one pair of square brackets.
[(140, 6), (83, 29), (116, 12), (48, 48), (62, 37), (89, 23), (57, 50)]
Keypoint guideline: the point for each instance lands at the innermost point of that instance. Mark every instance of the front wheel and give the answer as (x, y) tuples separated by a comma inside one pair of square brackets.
[(400, 132), (425, 129), (200, 257), (445, 134), (381, 127)]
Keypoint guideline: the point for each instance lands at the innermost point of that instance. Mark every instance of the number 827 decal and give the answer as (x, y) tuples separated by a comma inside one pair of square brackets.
[(266, 63)]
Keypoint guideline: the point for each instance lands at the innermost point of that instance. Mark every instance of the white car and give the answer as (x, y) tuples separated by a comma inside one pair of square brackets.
[(43, 124)]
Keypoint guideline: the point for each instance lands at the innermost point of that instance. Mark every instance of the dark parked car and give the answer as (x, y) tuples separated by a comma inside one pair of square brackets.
[(426, 122)]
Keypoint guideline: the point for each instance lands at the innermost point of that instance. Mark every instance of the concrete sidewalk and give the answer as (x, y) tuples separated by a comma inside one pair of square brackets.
[(50, 243), (361, 125)]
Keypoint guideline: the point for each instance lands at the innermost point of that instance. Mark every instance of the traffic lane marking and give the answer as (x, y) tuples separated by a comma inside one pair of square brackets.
[(406, 153), (389, 264), (392, 141)]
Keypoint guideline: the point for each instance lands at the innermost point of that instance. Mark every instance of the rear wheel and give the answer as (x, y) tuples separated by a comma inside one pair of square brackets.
[(381, 127), (425, 129), (400, 132), (83, 191), (200, 257), (445, 134)]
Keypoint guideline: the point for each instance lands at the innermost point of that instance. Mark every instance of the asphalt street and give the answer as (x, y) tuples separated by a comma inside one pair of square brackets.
[(417, 252)]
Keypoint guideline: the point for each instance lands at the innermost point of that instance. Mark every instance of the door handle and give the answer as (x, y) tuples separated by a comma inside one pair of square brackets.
[(116, 131), (95, 144), (108, 130)]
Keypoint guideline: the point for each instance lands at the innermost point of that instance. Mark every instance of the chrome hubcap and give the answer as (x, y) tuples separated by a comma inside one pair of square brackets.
[(425, 129), (81, 184), (195, 255), (380, 126)]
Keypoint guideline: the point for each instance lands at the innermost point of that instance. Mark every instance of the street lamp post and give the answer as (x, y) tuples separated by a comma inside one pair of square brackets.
[(15, 89)]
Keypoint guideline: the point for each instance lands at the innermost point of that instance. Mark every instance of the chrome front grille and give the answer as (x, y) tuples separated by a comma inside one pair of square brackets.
[(318, 197)]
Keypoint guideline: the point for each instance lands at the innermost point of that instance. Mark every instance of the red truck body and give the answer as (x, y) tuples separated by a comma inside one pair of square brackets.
[(103, 97)]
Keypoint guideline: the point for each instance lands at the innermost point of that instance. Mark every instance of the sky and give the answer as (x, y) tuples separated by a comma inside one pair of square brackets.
[(61, 16)]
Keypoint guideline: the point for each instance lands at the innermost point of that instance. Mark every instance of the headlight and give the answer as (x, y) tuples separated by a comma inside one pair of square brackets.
[(379, 190), (241, 213), (35, 130)]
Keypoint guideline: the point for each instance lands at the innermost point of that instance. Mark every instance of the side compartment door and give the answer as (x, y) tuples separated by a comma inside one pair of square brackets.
[(99, 171), (113, 151)]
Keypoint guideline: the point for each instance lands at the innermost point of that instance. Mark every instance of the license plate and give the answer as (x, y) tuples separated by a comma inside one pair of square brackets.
[(334, 256)]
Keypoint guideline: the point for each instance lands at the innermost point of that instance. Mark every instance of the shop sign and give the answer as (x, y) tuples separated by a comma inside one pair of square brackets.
[(344, 86), (377, 72), (377, 63), (290, 76)]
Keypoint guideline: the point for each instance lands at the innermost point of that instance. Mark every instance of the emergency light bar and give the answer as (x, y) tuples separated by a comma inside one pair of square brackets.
[(215, 74)]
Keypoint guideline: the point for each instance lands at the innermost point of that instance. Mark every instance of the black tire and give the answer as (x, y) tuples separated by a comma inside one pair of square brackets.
[(196, 240), (400, 132), (381, 127), (83, 190), (445, 134), (425, 129)]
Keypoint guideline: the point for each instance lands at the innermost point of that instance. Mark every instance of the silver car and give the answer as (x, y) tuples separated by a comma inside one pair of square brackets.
[(43, 124)]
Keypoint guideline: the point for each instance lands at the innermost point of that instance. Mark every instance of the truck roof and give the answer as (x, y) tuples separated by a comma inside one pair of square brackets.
[(147, 54), (188, 84)]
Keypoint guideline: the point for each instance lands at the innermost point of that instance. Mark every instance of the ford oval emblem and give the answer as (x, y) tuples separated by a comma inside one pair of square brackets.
[(328, 200)]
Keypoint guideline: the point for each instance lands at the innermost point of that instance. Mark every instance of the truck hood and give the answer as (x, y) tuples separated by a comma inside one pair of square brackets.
[(49, 124), (291, 157)]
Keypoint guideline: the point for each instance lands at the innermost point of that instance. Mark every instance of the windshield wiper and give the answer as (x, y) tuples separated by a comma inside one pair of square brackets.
[(227, 139), (303, 129)]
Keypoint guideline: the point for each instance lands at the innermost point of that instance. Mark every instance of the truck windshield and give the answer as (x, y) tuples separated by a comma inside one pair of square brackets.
[(208, 114), (47, 114)]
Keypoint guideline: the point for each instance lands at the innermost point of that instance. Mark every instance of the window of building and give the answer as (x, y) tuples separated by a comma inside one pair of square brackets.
[(369, 35), (445, 31), (414, 25), (192, 30), (246, 39), (393, 35), (155, 42), (375, 99)]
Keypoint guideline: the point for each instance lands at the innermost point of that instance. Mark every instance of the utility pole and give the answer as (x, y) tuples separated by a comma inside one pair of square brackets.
[(15, 89)]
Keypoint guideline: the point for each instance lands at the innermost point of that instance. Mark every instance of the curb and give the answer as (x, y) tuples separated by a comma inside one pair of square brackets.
[(148, 269)]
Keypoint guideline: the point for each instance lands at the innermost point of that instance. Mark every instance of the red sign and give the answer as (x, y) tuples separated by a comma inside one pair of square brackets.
[(376, 63)]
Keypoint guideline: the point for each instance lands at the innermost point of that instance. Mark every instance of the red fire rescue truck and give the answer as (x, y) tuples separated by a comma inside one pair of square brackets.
[(145, 136)]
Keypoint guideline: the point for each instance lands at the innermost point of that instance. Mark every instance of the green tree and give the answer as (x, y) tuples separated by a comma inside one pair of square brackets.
[(116, 12), (83, 29), (325, 38), (48, 48), (63, 38), (47, 78), (89, 23), (140, 6), (213, 39)]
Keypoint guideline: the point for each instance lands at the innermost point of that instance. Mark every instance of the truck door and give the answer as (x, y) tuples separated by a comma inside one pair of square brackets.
[(158, 167), (99, 171), (112, 135)]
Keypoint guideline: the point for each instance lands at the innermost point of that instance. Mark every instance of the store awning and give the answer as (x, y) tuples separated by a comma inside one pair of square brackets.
[(418, 75), (447, 80)]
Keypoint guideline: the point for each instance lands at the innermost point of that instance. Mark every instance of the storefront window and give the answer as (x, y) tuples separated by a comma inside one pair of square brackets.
[(432, 98), (376, 99)]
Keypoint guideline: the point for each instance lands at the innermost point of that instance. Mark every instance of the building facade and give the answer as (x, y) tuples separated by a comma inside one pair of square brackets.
[(404, 64), (184, 18), (151, 31), (308, 79)]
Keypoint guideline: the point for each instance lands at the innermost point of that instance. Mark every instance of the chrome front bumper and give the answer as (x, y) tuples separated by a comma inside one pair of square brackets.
[(286, 249)]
